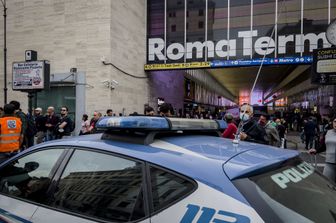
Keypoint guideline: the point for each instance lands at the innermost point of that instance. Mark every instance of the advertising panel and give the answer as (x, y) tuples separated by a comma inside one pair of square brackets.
[(324, 67), (29, 75)]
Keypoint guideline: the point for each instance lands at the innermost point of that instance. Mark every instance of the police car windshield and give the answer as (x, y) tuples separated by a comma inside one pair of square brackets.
[(292, 193)]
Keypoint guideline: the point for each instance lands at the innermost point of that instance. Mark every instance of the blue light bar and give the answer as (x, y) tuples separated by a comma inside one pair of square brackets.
[(193, 124), (222, 124), (159, 123), (133, 122)]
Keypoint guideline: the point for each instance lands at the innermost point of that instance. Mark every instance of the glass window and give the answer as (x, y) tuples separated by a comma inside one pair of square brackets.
[(167, 188), (240, 28), (155, 24), (217, 27), (175, 53), (263, 23), (61, 95), (294, 192), (332, 10), (29, 176), (101, 186), (289, 24), (196, 31), (315, 20)]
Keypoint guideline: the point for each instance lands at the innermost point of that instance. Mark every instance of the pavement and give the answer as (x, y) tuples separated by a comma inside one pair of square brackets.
[(294, 142)]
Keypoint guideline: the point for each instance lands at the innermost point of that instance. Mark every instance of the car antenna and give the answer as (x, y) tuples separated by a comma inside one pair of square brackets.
[(241, 125)]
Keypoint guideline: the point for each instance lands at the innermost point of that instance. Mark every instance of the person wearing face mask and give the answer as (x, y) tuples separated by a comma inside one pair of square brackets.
[(250, 130), (330, 147)]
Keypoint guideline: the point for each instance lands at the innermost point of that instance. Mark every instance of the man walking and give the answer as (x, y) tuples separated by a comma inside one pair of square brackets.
[(310, 129), (10, 133)]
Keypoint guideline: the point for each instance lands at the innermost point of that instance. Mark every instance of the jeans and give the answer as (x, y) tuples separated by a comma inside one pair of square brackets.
[(309, 141), (49, 136)]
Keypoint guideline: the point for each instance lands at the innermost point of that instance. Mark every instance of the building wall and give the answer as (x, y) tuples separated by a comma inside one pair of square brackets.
[(78, 33)]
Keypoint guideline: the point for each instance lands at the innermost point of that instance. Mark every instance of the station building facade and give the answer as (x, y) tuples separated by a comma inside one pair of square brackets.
[(183, 35)]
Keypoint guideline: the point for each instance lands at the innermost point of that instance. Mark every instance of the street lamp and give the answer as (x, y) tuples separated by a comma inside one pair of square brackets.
[(5, 50)]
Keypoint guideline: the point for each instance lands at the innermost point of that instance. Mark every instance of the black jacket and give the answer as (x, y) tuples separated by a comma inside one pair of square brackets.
[(255, 133)]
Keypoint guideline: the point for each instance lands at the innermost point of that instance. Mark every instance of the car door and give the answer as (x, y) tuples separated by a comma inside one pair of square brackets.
[(97, 186), (24, 182)]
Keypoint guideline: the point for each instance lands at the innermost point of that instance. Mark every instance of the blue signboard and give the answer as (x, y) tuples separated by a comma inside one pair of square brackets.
[(258, 62)]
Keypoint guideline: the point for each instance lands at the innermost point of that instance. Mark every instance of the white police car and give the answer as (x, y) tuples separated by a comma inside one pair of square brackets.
[(158, 170)]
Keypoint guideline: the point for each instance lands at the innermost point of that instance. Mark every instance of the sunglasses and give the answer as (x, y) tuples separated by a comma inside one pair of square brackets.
[(63, 109)]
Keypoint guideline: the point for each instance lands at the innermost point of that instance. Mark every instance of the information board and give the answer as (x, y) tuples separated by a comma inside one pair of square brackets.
[(32, 75), (324, 66)]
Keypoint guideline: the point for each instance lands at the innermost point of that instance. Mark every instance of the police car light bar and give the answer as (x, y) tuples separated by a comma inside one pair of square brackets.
[(158, 123), (133, 122), (193, 124)]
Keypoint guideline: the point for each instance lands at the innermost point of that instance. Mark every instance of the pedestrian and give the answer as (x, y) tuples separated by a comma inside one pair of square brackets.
[(231, 129), (250, 130), (330, 147), (85, 129), (11, 135), (65, 125), (93, 122), (40, 122), (109, 112), (51, 121), (18, 113), (310, 130), (282, 132), (166, 110), (271, 131), (149, 111)]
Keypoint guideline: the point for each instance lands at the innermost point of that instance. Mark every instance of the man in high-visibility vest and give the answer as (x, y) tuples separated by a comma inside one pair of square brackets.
[(10, 133)]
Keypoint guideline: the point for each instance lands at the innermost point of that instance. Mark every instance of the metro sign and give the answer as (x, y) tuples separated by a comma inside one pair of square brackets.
[(228, 48)]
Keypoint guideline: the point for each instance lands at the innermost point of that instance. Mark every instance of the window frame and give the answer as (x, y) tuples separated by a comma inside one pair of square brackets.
[(110, 153), (176, 174), (53, 172)]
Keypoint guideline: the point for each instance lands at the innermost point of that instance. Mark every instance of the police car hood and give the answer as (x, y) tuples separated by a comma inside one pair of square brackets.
[(238, 159)]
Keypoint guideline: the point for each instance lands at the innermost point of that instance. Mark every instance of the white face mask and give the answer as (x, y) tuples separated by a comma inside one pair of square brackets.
[(244, 117)]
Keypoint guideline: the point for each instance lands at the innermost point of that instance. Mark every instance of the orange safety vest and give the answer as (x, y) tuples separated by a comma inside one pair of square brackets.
[(10, 133)]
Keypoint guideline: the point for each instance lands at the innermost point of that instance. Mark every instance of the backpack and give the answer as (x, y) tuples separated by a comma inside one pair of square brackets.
[(31, 127)]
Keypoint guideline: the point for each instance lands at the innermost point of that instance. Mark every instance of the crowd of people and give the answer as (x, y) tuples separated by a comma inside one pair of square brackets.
[(19, 131)]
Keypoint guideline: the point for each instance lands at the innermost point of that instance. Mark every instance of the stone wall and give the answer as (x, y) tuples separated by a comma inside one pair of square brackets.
[(77, 33)]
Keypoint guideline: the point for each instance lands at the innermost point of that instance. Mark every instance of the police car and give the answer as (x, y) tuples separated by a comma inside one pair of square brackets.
[(162, 170)]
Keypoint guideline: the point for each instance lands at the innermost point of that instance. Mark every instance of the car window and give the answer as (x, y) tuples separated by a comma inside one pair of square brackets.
[(29, 176), (167, 188), (101, 186)]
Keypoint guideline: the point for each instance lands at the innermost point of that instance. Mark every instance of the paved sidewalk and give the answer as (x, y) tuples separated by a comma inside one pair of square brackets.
[(294, 141)]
